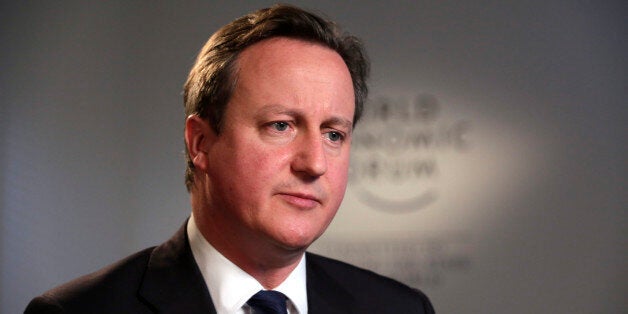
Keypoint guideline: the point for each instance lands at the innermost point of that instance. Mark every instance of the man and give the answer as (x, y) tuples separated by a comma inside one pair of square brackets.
[(271, 104)]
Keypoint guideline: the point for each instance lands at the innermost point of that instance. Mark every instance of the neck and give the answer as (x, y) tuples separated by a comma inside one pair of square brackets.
[(269, 263)]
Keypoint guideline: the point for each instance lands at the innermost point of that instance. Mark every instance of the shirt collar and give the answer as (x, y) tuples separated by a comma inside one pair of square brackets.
[(230, 287)]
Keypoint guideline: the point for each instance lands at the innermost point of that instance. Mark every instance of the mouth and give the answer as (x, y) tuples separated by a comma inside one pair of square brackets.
[(300, 200)]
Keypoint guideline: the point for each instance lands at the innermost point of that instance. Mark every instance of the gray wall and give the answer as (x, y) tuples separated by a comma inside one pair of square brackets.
[(529, 216)]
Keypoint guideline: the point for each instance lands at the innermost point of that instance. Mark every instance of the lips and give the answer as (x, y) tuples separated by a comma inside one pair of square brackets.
[(300, 200)]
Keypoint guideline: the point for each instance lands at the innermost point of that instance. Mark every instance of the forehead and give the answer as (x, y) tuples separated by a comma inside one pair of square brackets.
[(295, 71), (290, 52)]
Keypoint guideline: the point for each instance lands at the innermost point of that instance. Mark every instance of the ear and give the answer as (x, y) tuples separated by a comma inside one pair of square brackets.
[(198, 138)]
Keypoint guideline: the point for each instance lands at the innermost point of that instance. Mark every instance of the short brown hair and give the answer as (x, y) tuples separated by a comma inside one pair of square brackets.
[(212, 79)]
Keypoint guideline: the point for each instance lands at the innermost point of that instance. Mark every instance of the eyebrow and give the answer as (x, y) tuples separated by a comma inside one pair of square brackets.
[(345, 123), (279, 109), (275, 109)]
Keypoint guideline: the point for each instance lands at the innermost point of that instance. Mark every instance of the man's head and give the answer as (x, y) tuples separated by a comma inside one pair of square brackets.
[(214, 76), (277, 94)]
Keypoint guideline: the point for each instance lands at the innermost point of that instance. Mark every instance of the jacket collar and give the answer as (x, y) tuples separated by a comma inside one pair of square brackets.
[(324, 293), (173, 283)]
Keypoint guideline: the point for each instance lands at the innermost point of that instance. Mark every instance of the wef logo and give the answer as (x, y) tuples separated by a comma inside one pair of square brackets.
[(396, 149)]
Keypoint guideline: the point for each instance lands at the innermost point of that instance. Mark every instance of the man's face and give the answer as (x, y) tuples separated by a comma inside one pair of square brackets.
[(278, 169)]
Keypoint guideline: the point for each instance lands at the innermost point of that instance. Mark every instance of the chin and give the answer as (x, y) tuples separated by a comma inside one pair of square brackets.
[(296, 241)]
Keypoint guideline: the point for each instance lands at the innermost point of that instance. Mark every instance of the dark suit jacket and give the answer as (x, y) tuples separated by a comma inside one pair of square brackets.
[(166, 279)]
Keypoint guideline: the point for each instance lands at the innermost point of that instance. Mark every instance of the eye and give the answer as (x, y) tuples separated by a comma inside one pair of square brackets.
[(334, 136), (280, 125)]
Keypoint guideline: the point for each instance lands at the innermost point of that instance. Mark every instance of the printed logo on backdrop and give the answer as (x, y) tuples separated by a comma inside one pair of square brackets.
[(400, 149), (396, 148)]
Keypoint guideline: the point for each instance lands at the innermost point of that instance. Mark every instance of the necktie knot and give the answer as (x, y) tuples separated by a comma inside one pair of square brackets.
[(268, 302)]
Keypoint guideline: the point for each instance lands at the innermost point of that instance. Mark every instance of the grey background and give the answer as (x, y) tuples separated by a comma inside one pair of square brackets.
[(91, 134)]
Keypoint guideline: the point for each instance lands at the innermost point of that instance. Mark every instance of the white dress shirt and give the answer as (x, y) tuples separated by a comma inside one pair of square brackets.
[(230, 287)]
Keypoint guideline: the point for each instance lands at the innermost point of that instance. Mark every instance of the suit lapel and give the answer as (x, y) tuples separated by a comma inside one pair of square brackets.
[(325, 295), (173, 283)]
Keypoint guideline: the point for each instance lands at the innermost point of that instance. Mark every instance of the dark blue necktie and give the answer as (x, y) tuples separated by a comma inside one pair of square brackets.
[(268, 302)]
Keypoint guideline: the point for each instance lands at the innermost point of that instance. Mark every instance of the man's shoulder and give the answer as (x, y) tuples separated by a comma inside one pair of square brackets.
[(98, 291), (369, 288), (354, 276)]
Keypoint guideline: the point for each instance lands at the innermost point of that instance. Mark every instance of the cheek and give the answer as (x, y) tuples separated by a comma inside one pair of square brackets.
[(256, 166), (338, 178)]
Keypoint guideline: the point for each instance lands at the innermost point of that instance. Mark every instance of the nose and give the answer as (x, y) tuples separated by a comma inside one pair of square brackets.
[(310, 157)]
